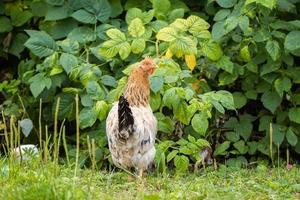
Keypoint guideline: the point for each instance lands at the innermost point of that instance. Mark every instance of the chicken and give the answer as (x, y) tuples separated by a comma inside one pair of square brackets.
[(131, 126)]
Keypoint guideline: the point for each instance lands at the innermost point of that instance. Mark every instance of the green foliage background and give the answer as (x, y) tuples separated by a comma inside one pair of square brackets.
[(247, 63)]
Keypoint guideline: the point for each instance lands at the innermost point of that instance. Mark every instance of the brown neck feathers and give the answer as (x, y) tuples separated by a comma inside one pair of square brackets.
[(137, 90)]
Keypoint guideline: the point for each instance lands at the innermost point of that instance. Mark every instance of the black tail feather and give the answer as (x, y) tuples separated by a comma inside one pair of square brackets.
[(125, 118)]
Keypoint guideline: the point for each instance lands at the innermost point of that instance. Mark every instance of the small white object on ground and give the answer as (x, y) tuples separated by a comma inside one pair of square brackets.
[(26, 152)]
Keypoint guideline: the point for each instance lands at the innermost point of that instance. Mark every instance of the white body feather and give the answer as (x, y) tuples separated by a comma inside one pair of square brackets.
[(138, 151)]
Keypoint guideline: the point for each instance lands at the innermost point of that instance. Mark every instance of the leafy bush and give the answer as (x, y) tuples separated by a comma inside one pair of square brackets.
[(204, 50)]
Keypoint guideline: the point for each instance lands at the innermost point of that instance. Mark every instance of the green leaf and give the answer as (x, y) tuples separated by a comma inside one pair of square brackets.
[(138, 46), (181, 163), (291, 137), (184, 45), (221, 14), (40, 43), (55, 2), (82, 34), (133, 13), (5, 25), (171, 155), (165, 124), (38, 83), (218, 30), (155, 101), (273, 49), (246, 56), (175, 14), (68, 61), (264, 123), (200, 123), (87, 117), (84, 17), (116, 35), (17, 45), (278, 134), (282, 85), (94, 90), (167, 34), (108, 80), (124, 50), (271, 100), (19, 18), (244, 23), (196, 24), (161, 8), (268, 68), (232, 136), (221, 148), (156, 83), (241, 147), (136, 28), (66, 106), (109, 48), (244, 127), (294, 115), (69, 46), (116, 8), (226, 3), (230, 23), (100, 8), (57, 13), (225, 63), (292, 41), (239, 100), (212, 50), (102, 109)]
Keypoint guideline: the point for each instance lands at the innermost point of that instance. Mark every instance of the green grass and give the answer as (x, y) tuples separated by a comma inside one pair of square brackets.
[(47, 181)]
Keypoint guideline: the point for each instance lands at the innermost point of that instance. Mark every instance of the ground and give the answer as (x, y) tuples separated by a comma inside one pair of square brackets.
[(48, 181)]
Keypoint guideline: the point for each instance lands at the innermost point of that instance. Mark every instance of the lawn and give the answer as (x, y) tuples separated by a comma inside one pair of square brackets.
[(48, 181)]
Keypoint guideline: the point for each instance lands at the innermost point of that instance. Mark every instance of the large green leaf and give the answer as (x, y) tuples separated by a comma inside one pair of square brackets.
[(138, 46), (239, 100), (291, 137), (87, 117), (38, 83), (292, 41), (294, 114), (226, 3), (100, 8), (18, 18), (5, 24), (136, 28), (57, 13), (196, 24), (68, 61), (94, 90), (212, 50), (165, 124), (156, 83), (167, 34), (84, 17), (225, 63), (221, 148), (181, 163), (82, 34), (282, 85), (200, 123), (184, 45), (273, 49), (271, 100), (40, 43)]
